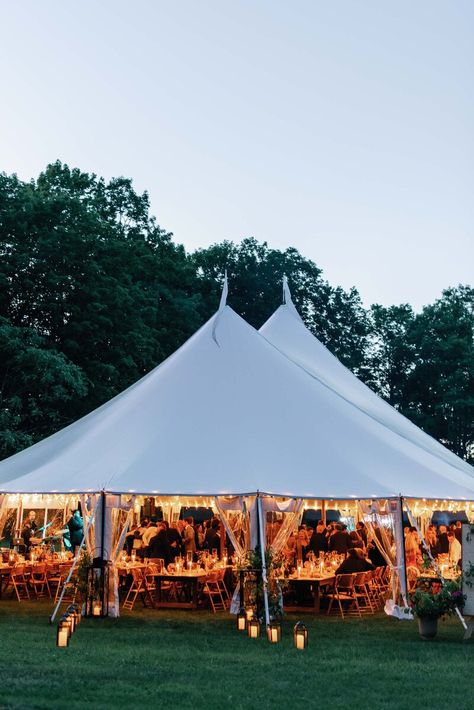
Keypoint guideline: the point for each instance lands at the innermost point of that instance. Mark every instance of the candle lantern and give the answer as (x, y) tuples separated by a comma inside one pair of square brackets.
[(76, 613), (274, 632), (241, 621), (62, 635), (300, 636), (72, 621), (253, 628), (66, 621), (249, 614), (97, 603)]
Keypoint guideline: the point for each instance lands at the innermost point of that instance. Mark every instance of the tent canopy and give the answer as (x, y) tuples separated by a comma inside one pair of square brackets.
[(286, 330), (229, 413)]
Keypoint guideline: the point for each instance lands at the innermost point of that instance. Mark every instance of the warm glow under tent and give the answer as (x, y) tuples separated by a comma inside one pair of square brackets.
[(286, 330), (229, 413)]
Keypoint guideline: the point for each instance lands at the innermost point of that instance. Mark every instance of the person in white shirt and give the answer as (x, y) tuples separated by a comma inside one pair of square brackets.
[(148, 533), (454, 549)]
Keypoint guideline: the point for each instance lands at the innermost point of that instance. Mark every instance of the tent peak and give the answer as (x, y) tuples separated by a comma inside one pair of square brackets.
[(225, 291), (222, 305), (287, 300)]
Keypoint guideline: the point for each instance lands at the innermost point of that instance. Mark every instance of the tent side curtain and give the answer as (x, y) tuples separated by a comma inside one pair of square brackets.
[(291, 511), (385, 531), (234, 514), (89, 505), (3, 513)]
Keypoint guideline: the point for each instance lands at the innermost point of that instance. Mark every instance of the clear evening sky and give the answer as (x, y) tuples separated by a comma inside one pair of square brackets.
[(342, 128)]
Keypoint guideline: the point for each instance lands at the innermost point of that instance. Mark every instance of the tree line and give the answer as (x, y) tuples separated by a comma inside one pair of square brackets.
[(94, 294)]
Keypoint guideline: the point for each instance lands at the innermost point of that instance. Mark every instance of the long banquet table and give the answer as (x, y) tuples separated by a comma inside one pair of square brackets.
[(316, 582)]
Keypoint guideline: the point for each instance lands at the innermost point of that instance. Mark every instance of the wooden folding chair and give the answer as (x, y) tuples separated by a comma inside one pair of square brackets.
[(39, 580), (343, 592), (54, 576), (213, 590), (363, 592), (18, 581), (137, 587)]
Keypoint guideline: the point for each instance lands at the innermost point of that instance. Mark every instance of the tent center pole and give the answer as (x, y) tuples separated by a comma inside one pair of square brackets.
[(264, 563)]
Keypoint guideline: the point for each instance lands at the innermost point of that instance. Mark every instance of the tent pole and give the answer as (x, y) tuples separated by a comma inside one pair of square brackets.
[(403, 571), (74, 563), (102, 549), (264, 563)]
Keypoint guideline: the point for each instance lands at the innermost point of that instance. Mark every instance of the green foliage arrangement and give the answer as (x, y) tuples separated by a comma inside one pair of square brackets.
[(442, 603)]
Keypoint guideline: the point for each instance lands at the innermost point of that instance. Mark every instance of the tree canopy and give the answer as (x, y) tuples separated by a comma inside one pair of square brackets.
[(94, 294)]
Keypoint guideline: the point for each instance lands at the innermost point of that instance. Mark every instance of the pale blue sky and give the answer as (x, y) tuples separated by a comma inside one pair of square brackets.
[(344, 128)]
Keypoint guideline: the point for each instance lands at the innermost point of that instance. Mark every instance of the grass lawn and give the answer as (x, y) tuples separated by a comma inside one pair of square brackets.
[(179, 659)]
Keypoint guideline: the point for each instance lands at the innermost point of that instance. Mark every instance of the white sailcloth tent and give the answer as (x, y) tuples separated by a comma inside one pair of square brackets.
[(228, 413), (286, 330)]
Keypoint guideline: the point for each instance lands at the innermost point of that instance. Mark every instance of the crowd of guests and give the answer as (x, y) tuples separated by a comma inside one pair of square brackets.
[(442, 540), (160, 539), (360, 552)]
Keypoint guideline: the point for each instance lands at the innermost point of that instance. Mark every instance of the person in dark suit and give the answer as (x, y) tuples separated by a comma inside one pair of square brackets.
[(212, 541), (356, 540), (443, 543), (159, 545), (174, 539), (318, 542), (354, 562), (339, 541), (458, 531), (362, 531)]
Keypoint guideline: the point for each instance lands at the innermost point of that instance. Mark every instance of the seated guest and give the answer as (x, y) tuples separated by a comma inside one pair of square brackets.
[(318, 542), (354, 562), (339, 541), (159, 545)]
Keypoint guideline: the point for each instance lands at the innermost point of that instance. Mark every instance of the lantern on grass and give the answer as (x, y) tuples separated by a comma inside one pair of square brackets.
[(274, 632), (253, 628), (241, 621), (249, 614), (62, 634), (300, 636), (77, 614), (69, 623)]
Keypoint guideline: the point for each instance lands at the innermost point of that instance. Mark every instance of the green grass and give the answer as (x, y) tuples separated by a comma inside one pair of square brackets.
[(197, 660)]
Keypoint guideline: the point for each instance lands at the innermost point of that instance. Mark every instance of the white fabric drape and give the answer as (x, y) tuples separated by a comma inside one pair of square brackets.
[(233, 514), (89, 505), (292, 510), (3, 512), (392, 550)]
